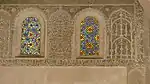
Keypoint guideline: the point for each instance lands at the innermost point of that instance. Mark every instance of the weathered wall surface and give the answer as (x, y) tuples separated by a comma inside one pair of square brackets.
[(59, 43), (66, 1), (60, 38), (63, 75)]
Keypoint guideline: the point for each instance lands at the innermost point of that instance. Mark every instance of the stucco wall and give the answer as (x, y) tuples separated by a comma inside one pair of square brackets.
[(58, 26), (63, 75)]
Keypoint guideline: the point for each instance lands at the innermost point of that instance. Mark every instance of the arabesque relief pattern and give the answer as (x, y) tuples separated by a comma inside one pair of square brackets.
[(124, 26), (5, 32), (122, 40), (59, 35), (139, 30), (124, 43)]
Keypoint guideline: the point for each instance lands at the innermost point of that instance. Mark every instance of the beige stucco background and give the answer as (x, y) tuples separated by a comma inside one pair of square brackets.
[(71, 74), (61, 75)]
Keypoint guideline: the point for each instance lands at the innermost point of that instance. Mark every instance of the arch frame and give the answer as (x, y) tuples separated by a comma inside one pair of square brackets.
[(141, 71), (76, 33), (20, 17)]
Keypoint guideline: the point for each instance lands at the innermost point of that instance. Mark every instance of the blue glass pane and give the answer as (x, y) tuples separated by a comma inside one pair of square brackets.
[(30, 40), (89, 37)]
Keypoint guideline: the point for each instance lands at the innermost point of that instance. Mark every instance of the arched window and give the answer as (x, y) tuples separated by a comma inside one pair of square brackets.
[(89, 37), (30, 36)]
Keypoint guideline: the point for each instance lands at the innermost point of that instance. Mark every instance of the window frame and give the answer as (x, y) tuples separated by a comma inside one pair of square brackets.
[(77, 29), (30, 12)]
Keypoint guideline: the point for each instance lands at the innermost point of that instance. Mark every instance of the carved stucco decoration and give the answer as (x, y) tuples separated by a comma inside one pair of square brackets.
[(59, 35), (121, 40), (5, 32), (63, 55), (139, 16), (60, 25)]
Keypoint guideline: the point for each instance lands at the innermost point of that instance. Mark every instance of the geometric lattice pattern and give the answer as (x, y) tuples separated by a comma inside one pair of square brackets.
[(30, 40), (89, 37), (122, 35)]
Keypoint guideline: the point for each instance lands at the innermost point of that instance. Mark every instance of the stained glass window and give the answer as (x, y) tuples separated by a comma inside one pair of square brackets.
[(89, 37), (30, 40)]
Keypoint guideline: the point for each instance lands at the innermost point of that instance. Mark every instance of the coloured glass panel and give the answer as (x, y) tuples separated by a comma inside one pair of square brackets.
[(30, 40), (89, 37)]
